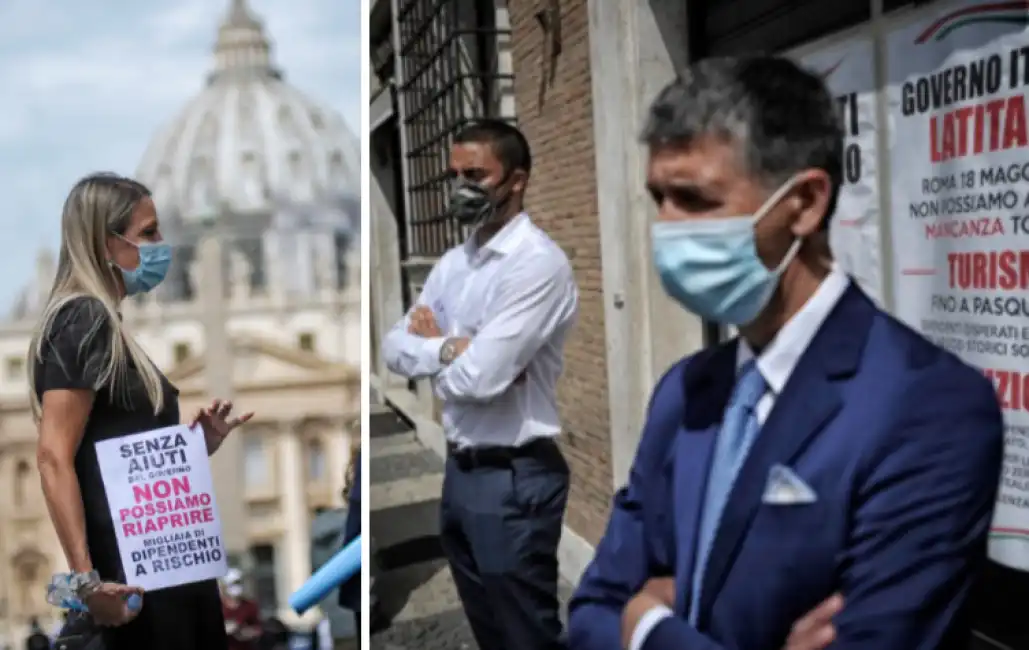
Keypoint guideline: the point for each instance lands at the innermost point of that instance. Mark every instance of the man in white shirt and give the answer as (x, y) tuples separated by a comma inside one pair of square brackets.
[(489, 329)]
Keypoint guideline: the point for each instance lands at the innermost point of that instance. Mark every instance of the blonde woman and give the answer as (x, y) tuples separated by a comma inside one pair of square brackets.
[(91, 381)]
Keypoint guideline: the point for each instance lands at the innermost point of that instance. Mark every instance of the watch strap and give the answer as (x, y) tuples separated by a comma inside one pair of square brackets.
[(446, 352)]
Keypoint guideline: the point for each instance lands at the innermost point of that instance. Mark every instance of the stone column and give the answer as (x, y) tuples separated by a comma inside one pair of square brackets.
[(7, 465), (635, 48), (384, 266), (295, 520), (218, 363), (337, 457)]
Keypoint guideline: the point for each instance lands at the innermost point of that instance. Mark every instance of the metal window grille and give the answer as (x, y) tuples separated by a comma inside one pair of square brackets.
[(449, 77)]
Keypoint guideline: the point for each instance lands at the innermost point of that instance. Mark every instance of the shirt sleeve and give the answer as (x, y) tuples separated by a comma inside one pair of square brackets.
[(409, 355), (76, 348), (646, 625), (534, 301)]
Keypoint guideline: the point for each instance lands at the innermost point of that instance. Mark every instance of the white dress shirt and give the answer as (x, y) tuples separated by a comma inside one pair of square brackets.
[(776, 364), (515, 297)]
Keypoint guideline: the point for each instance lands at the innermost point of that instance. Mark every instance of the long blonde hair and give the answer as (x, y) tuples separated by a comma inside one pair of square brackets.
[(99, 205)]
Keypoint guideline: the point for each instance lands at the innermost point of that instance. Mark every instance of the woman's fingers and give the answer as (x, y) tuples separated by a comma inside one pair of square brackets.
[(200, 415), (110, 606), (127, 590), (118, 589), (235, 422), (219, 410)]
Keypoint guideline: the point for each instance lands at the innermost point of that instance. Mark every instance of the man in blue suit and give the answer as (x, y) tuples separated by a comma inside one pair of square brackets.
[(828, 450)]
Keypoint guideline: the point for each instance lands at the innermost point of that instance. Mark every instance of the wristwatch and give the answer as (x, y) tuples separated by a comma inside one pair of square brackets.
[(84, 584), (447, 352)]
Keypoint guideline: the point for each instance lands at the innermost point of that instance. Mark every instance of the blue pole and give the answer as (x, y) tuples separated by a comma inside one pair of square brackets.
[(333, 573)]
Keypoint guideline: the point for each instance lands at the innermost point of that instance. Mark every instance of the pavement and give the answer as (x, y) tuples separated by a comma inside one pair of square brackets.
[(413, 582)]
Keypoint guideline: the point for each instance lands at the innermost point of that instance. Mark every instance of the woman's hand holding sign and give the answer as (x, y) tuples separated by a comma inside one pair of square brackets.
[(217, 424), (109, 605)]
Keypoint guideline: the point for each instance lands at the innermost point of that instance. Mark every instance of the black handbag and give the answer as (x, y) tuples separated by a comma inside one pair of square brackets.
[(80, 642), (79, 633)]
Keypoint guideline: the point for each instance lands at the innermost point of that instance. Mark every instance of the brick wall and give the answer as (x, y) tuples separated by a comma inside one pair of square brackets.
[(555, 110)]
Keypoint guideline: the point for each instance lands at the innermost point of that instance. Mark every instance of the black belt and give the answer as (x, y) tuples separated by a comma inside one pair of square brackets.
[(468, 458)]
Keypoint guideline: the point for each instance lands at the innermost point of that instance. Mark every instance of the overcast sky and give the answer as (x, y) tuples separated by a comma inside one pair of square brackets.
[(84, 85)]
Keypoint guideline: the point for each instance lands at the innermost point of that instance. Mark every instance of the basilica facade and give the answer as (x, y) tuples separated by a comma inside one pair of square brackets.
[(257, 187)]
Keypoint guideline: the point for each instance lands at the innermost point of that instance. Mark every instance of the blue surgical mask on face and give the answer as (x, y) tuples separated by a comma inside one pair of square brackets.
[(154, 260), (711, 266)]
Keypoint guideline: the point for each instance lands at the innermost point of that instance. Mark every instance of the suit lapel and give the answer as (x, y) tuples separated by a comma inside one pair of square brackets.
[(808, 402), (707, 391)]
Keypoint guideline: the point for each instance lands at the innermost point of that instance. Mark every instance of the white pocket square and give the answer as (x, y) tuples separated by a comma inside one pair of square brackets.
[(784, 488)]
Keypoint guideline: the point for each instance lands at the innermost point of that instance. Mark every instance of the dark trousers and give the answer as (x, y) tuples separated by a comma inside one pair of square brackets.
[(500, 527), (179, 618)]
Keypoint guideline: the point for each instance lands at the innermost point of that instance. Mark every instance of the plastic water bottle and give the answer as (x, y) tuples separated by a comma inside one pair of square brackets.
[(60, 594)]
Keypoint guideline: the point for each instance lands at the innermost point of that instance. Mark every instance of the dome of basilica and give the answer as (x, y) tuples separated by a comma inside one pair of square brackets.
[(273, 173), (250, 143)]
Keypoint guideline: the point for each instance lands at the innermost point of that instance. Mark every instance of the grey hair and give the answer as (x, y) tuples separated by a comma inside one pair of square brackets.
[(99, 205), (781, 117)]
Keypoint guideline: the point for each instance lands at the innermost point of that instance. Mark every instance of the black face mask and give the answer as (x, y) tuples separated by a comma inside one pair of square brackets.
[(472, 204)]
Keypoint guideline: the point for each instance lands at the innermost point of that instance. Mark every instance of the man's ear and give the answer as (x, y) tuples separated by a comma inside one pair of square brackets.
[(519, 180), (812, 194)]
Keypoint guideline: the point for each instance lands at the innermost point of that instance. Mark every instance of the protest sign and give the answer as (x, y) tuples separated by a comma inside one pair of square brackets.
[(848, 71), (161, 495), (960, 214)]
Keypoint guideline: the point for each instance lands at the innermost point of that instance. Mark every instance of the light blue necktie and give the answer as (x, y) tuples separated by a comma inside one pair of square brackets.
[(739, 429)]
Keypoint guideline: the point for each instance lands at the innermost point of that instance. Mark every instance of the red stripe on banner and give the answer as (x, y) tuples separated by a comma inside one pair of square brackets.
[(968, 11)]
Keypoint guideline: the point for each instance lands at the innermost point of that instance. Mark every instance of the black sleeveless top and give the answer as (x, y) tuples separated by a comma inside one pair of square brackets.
[(74, 353)]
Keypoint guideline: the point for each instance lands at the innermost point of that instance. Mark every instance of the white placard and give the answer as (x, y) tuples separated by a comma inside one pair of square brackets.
[(848, 70), (960, 200), (161, 494)]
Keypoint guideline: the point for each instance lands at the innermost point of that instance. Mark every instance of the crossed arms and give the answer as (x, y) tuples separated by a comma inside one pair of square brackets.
[(534, 300), (920, 520)]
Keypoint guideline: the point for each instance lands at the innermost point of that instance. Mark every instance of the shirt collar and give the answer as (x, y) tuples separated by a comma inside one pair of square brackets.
[(777, 361), (504, 241)]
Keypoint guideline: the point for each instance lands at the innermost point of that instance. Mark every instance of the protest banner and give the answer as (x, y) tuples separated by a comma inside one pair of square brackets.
[(960, 213), (161, 495), (849, 72)]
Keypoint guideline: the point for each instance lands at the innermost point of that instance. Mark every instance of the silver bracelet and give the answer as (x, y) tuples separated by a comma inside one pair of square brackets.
[(86, 584)]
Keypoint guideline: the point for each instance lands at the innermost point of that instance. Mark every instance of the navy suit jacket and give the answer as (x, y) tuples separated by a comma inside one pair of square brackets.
[(901, 442), (350, 591)]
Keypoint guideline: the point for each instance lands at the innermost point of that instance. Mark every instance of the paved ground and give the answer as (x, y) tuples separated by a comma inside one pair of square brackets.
[(414, 583)]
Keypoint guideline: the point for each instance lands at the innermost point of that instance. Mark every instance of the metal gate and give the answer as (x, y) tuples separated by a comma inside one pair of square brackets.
[(449, 76)]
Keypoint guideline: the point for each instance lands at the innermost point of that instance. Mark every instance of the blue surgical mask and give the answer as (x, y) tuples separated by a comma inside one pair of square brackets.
[(711, 266), (154, 260)]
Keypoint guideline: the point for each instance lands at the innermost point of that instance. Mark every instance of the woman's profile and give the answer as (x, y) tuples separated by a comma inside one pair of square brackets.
[(90, 381)]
